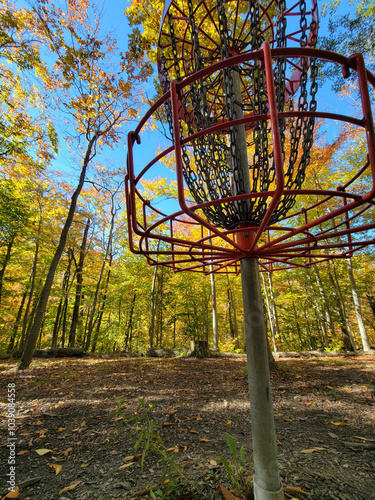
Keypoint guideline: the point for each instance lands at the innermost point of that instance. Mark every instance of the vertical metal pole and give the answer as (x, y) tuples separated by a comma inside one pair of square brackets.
[(267, 483)]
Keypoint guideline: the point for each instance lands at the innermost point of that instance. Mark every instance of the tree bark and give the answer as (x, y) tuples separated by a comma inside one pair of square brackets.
[(268, 304), (199, 349), (78, 295), (102, 307), (151, 331), (61, 310), (214, 310), (323, 296), (43, 300), (346, 329), (104, 263), (358, 311), (4, 265), (129, 328)]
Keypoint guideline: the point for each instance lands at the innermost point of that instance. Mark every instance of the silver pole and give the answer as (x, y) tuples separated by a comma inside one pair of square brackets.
[(267, 483)]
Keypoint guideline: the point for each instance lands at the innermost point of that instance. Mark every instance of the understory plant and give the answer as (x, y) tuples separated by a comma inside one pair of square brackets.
[(144, 432), (237, 468)]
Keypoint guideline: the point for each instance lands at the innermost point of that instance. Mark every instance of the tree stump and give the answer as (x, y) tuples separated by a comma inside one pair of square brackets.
[(199, 349)]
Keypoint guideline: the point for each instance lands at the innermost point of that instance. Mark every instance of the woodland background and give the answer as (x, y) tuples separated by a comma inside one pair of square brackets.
[(71, 91)]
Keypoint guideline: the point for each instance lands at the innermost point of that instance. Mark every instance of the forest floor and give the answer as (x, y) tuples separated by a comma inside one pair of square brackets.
[(70, 443)]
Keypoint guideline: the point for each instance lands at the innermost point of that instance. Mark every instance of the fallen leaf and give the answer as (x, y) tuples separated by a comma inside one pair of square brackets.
[(65, 453), (213, 462), (12, 494), (184, 464), (295, 489), (338, 423), (229, 422), (56, 467), (364, 439), (312, 450), (43, 451), (71, 487), (125, 466), (288, 419), (175, 449), (194, 432), (22, 452), (227, 495), (204, 440), (61, 429)]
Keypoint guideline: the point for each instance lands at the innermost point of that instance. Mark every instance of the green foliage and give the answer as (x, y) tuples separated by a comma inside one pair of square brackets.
[(146, 437), (14, 212), (237, 468), (142, 429), (347, 34)]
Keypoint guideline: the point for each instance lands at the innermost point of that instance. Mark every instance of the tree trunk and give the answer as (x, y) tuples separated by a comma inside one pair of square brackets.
[(43, 300), (358, 311), (62, 304), (129, 327), (272, 327), (151, 332), (214, 311), (17, 323), (347, 332), (4, 265), (102, 307), (232, 315), (78, 295), (199, 349), (323, 297), (90, 326)]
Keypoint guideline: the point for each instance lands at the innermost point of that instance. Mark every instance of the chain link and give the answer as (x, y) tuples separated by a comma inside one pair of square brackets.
[(212, 163)]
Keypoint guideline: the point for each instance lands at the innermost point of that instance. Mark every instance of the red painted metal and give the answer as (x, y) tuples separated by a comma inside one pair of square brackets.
[(329, 223)]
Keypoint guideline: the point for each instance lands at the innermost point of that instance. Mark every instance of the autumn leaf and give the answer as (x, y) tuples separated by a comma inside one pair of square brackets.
[(56, 467), (204, 440), (175, 449), (43, 451), (65, 452), (21, 452), (71, 487), (364, 439), (227, 495), (213, 462), (338, 423), (294, 489), (313, 450), (12, 494), (125, 466)]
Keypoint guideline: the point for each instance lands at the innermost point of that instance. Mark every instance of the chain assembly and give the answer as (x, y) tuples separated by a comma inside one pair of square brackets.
[(198, 33)]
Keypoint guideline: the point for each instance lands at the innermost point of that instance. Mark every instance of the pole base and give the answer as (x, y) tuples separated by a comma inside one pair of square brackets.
[(260, 494)]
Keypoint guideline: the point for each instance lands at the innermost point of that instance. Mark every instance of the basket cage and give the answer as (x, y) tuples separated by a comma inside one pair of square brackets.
[(195, 35)]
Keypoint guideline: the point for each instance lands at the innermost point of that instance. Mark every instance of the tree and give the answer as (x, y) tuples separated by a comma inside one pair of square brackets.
[(97, 100), (349, 33)]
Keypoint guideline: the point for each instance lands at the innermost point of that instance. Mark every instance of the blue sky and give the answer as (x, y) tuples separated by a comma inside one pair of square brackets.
[(115, 21)]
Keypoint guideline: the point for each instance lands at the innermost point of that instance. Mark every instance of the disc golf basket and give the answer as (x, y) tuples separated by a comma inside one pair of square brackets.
[(240, 100)]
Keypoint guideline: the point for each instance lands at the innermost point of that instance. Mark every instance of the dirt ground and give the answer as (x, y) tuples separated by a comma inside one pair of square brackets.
[(69, 444)]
